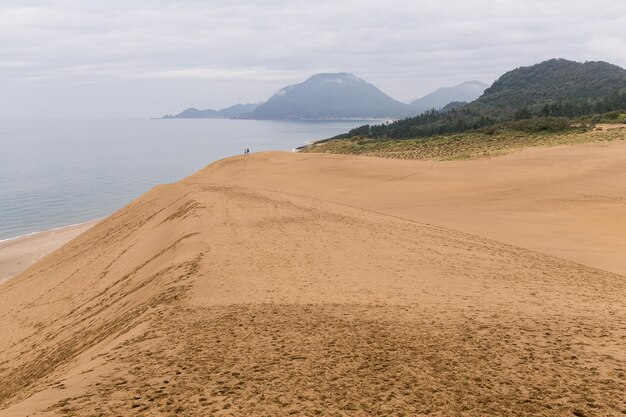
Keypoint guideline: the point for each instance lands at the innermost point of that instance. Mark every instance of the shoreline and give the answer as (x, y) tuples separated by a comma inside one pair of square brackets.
[(19, 252), (25, 235)]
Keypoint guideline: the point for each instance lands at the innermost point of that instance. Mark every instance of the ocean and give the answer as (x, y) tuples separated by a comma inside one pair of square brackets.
[(55, 173)]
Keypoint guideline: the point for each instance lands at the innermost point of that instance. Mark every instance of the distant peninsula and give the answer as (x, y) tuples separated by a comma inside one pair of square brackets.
[(225, 113)]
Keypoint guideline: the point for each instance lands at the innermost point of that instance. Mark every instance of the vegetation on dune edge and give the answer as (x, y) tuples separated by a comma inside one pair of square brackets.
[(471, 145), (555, 102)]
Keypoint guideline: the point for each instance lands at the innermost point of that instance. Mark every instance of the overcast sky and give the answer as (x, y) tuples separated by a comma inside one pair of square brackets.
[(143, 58)]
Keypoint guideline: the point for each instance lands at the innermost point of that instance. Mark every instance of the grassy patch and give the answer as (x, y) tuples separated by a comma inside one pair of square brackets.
[(464, 145)]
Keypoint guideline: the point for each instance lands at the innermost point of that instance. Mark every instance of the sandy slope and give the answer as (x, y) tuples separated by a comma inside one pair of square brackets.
[(287, 284)]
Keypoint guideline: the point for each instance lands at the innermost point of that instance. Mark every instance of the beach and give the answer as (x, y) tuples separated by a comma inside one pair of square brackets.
[(19, 253), (318, 284)]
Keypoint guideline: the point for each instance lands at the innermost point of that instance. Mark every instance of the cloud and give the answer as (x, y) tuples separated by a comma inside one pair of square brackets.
[(13, 64), (405, 47), (220, 74), (611, 47)]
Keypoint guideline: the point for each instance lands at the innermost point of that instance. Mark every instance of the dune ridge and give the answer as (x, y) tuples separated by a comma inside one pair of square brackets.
[(282, 284)]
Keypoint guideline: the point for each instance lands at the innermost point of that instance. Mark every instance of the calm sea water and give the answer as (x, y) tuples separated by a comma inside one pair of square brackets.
[(55, 173)]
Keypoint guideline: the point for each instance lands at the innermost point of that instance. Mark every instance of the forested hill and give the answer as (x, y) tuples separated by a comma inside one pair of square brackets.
[(554, 88), (557, 81)]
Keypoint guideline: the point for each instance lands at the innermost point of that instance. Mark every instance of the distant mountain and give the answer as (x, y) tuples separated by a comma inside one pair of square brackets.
[(467, 91), (550, 89), (454, 105), (228, 112), (238, 110), (330, 96)]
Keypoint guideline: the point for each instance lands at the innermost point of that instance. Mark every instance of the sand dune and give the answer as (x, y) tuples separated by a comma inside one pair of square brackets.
[(292, 284)]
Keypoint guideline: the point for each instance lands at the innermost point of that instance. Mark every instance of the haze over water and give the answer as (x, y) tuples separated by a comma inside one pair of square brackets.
[(55, 173)]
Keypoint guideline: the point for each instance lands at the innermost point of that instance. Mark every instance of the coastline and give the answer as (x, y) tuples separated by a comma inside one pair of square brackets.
[(20, 252)]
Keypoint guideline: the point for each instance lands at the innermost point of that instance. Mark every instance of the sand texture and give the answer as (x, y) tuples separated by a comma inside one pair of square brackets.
[(329, 285)]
